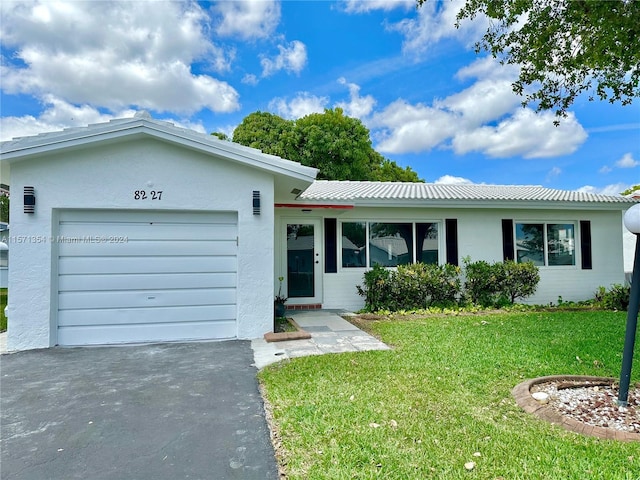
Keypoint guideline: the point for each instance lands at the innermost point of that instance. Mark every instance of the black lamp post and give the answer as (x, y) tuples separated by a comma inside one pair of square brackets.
[(632, 222)]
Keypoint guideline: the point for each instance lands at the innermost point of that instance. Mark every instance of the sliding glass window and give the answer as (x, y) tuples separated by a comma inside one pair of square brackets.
[(546, 244), (389, 243)]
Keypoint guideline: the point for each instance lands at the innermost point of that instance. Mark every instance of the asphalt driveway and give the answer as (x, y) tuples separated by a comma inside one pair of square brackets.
[(165, 411)]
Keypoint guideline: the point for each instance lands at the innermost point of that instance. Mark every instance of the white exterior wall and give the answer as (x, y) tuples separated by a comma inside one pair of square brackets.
[(106, 177), (480, 238)]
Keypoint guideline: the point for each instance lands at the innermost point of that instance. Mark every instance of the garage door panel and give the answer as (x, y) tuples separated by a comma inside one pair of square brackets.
[(149, 316), (141, 248), (96, 335), (123, 265), (146, 281), (76, 232), (173, 277), (146, 298), (90, 217)]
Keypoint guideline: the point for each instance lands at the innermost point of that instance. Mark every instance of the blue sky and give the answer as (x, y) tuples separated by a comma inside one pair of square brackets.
[(413, 79)]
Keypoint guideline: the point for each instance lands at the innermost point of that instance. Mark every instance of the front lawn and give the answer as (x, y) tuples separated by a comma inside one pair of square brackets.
[(442, 398)]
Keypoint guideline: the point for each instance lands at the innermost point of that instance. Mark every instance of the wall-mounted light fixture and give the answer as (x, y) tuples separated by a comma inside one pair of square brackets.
[(256, 202), (29, 200)]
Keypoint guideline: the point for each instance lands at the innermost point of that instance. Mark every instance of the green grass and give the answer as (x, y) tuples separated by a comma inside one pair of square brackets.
[(443, 394), (3, 303)]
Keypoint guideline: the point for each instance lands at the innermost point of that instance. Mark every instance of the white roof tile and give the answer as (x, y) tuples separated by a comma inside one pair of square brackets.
[(358, 192)]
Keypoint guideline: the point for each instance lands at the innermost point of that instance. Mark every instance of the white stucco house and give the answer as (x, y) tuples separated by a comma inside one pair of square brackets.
[(136, 230)]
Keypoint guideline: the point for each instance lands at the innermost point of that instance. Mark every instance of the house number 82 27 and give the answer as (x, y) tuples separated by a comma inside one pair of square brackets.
[(144, 195)]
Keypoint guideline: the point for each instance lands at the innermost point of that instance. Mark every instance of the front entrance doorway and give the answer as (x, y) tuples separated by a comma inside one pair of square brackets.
[(303, 261)]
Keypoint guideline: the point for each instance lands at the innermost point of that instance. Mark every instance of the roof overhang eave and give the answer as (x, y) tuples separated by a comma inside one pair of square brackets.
[(477, 204), (138, 129)]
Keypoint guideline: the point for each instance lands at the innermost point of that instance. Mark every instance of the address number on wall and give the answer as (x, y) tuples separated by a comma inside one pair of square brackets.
[(150, 195)]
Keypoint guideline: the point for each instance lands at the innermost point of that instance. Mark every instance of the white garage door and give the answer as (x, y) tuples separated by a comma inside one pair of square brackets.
[(146, 276)]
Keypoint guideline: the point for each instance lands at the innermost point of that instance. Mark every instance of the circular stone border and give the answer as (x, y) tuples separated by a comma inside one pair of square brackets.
[(522, 394)]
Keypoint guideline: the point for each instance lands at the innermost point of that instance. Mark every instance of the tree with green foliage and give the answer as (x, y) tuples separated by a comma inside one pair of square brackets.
[(564, 47), (267, 132), (386, 170), (221, 136), (337, 145), (633, 189)]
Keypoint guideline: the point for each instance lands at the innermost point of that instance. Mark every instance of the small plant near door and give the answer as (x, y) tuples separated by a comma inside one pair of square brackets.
[(278, 303), (3, 304), (283, 325)]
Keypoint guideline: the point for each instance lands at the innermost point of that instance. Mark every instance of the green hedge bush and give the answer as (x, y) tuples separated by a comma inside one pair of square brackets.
[(410, 287), (419, 286), (616, 298)]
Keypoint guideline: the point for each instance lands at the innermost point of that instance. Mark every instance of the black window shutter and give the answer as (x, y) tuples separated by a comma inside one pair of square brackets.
[(330, 245), (585, 244), (507, 240), (451, 232)]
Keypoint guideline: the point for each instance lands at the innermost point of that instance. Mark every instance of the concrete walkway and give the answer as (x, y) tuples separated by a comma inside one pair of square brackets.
[(330, 333)]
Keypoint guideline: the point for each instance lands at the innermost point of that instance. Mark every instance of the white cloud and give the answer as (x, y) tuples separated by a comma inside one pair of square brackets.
[(613, 189), (247, 19), (67, 49), (526, 134), (250, 79), (412, 128), (292, 58), (486, 117), (187, 124), (363, 6), (554, 173), (490, 97), (358, 107), (59, 115), (303, 104), (451, 180), (436, 21), (627, 161)]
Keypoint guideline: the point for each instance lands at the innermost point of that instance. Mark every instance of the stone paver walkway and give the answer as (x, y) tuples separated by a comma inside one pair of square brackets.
[(330, 333)]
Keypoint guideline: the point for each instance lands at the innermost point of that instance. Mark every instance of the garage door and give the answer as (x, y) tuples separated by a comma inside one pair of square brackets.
[(146, 276)]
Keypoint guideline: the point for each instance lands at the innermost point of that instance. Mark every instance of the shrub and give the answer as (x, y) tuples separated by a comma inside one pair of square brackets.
[(500, 283), (483, 282), (423, 285), (520, 279), (410, 287), (376, 289), (616, 298)]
